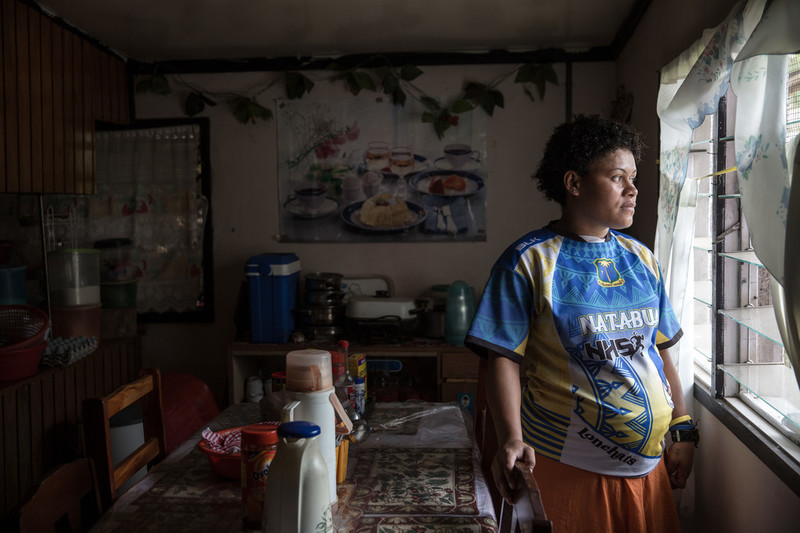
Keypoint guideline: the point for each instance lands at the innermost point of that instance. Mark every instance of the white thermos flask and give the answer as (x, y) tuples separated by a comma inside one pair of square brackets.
[(296, 498)]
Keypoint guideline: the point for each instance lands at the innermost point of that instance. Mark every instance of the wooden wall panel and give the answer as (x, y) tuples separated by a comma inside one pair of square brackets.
[(59, 163), (3, 182), (35, 112), (52, 90), (41, 417), (25, 183), (48, 111), (11, 176)]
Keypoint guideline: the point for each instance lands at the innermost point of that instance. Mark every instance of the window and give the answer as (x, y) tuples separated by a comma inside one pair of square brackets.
[(738, 348)]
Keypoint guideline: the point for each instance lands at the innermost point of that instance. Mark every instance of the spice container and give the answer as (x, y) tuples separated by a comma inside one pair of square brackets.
[(259, 443)]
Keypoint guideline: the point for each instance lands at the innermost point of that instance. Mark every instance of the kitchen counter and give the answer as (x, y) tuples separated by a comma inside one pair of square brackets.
[(432, 369)]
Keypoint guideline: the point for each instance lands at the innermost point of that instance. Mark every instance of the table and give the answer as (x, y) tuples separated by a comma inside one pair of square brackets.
[(418, 471)]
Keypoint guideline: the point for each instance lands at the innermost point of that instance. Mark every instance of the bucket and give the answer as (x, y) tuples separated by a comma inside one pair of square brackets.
[(13, 289), (76, 321), (74, 277), (118, 294)]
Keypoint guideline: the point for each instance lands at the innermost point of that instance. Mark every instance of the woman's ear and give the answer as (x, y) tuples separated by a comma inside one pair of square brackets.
[(571, 183)]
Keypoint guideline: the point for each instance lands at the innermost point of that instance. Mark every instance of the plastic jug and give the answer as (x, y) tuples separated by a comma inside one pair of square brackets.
[(296, 498), (458, 312)]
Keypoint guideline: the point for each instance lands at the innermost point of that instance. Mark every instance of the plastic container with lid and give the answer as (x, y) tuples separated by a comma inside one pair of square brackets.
[(308, 370), (74, 277), (116, 259), (259, 443), (118, 294)]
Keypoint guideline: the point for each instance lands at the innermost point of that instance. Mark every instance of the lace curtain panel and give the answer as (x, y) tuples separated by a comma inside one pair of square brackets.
[(148, 191)]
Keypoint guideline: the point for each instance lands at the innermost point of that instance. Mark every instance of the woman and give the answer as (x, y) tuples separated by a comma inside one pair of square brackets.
[(584, 307)]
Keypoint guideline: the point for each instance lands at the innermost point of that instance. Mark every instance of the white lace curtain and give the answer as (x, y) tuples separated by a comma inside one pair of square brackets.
[(148, 190), (747, 51)]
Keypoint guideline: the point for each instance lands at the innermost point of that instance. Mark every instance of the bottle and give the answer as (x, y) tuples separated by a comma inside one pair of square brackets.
[(342, 379), (259, 443), (360, 398), (459, 312)]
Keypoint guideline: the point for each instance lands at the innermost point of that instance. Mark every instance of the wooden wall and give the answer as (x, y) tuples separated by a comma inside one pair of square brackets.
[(41, 416), (54, 85)]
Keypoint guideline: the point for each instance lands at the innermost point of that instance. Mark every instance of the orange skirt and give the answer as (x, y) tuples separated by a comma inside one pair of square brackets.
[(576, 500)]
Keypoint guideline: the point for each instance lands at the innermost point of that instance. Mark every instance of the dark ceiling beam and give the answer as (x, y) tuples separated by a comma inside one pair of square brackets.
[(373, 60), (628, 26)]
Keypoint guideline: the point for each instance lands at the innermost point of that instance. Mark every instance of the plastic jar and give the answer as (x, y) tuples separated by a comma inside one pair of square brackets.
[(259, 443), (116, 262)]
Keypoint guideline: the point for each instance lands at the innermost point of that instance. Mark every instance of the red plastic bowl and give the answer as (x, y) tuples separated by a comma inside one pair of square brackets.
[(21, 363), (227, 465)]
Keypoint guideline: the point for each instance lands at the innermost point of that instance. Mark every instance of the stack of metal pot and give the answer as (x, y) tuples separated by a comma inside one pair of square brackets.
[(323, 316)]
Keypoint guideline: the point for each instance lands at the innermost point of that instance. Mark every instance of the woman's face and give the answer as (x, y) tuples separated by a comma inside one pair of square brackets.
[(606, 196)]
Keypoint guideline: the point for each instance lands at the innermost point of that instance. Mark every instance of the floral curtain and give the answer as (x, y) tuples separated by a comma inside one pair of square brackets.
[(691, 87), (748, 50)]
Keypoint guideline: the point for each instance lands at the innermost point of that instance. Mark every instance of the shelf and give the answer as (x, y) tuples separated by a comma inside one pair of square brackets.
[(702, 243), (759, 319), (748, 257), (702, 340), (775, 385), (702, 292)]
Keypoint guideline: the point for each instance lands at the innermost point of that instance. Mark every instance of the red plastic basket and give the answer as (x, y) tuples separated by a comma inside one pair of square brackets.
[(22, 326)]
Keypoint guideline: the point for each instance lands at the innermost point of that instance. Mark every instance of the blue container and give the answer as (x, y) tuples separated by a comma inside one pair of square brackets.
[(273, 281), (13, 289)]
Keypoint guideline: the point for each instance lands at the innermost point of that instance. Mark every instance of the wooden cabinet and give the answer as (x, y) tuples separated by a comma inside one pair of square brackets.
[(55, 84), (41, 416), (452, 370)]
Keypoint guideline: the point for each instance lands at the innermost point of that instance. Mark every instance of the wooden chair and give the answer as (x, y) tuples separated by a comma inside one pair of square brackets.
[(188, 406), (96, 413), (66, 500), (527, 513)]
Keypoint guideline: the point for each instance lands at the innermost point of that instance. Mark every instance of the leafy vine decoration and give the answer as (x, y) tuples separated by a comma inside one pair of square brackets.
[(394, 82)]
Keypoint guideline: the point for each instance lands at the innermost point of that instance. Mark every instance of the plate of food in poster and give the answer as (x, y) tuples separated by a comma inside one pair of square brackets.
[(383, 213), (446, 182)]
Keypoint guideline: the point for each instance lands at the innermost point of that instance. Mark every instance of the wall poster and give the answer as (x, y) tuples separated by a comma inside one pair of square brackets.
[(365, 170)]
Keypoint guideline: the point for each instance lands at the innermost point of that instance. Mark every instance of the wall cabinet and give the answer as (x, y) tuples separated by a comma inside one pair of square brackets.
[(55, 84), (445, 372)]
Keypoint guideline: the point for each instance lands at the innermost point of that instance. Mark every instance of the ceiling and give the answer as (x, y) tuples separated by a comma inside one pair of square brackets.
[(193, 30)]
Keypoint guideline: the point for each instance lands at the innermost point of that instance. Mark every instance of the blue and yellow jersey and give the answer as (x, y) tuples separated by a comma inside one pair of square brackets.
[(589, 319)]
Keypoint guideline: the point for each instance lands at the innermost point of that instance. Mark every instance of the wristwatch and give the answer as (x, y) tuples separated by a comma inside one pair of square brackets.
[(685, 435)]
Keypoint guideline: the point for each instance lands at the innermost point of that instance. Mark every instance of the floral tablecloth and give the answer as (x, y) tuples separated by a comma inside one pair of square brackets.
[(387, 488)]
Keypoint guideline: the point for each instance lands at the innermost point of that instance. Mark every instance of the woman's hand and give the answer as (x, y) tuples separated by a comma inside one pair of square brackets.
[(680, 457), (505, 476)]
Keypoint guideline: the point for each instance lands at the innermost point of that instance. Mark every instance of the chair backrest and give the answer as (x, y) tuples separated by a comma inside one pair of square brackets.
[(97, 434), (66, 500), (188, 406)]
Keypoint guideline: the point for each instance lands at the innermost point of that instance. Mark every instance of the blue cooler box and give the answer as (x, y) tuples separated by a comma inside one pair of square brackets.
[(272, 280)]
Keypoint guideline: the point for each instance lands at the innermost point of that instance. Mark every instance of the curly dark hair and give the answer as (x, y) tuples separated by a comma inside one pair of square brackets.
[(576, 145)]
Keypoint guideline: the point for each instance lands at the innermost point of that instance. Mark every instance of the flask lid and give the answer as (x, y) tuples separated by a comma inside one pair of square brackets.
[(298, 429)]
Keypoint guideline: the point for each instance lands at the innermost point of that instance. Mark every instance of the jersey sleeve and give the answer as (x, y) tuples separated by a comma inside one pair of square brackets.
[(669, 329), (502, 319)]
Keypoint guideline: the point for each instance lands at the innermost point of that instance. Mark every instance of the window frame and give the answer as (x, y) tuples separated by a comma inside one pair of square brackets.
[(777, 451)]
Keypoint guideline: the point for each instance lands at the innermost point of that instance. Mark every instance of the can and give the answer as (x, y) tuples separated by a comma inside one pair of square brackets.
[(360, 396), (358, 367), (259, 443)]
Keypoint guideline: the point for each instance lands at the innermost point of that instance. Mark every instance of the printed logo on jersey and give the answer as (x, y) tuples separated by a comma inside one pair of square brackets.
[(610, 349), (607, 273)]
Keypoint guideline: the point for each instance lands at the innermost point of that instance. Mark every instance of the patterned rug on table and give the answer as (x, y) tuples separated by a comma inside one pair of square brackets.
[(425, 524), (407, 481)]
